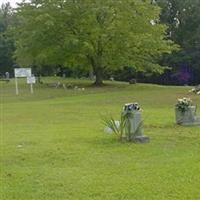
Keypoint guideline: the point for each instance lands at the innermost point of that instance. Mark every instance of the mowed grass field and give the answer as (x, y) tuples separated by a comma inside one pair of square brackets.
[(53, 146)]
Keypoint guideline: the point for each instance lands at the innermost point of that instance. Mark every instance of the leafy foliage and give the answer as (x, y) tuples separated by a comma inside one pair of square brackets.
[(183, 20), (98, 34)]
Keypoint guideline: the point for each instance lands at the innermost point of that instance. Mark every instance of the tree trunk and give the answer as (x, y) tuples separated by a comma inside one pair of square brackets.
[(98, 71), (99, 76)]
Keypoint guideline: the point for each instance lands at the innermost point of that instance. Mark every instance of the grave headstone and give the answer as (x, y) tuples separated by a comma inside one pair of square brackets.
[(133, 81), (186, 113), (133, 123), (7, 74)]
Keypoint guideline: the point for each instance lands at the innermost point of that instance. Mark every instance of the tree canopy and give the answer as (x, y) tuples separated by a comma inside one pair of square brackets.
[(183, 20), (98, 34)]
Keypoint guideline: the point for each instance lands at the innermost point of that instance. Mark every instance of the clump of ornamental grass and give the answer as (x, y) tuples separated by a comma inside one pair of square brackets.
[(116, 127)]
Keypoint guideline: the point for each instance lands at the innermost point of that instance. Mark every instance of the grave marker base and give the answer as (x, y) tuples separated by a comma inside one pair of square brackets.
[(191, 124), (141, 139)]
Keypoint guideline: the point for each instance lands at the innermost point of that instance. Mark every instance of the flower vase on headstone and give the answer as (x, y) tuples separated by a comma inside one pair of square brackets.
[(133, 123), (185, 113)]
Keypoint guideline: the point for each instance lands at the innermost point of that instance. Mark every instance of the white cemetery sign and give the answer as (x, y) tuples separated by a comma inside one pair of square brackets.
[(31, 80), (24, 73)]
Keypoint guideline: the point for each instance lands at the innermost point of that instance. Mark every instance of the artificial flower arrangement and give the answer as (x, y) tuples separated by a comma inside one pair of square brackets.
[(183, 104), (132, 106)]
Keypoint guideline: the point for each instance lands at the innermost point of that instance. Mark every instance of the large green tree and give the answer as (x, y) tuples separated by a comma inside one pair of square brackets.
[(98, 34)]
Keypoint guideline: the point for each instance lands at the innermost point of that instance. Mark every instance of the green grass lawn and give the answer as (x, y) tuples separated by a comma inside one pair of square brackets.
[(53, 146)]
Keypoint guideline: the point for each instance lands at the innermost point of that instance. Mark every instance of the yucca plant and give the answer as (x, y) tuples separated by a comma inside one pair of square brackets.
[(117, 130), (124, 128)]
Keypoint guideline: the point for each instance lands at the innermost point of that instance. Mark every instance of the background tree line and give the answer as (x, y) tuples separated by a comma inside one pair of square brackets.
[(124, 39)]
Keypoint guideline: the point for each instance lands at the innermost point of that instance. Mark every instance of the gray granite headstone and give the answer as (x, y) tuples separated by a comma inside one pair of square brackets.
[(134, 124), (187, 117)]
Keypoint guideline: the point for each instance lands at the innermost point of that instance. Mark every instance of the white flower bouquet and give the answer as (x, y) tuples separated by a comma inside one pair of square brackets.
[(183, 104)]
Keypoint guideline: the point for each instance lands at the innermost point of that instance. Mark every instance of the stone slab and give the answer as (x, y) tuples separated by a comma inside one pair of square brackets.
[(141, 139), (191, 124)]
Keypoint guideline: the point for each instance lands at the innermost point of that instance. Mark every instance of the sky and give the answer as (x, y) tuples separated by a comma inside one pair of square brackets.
[(12, 2)]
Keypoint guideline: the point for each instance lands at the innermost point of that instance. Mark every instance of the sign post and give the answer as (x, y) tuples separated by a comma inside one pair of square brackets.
[(16, 86), (31, 88), (31, 80)]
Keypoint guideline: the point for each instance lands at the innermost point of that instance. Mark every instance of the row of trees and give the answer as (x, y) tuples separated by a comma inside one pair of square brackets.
[(183, 20), (101, 35), (7, 46)]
